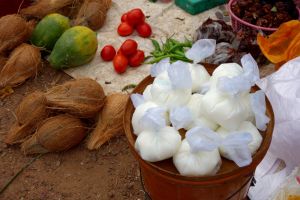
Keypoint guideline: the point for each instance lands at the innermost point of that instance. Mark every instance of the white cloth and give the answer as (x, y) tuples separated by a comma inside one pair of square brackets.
[(166, 20)]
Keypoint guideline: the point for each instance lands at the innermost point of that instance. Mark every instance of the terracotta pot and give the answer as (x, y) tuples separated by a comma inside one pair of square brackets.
[(163, 182)]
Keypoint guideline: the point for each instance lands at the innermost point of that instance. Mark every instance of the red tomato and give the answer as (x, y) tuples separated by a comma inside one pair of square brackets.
[(125, 29), (137, 59), (144, 30), (124, 17), (108, 53), (129, 47), (120, 63), (135, 17)]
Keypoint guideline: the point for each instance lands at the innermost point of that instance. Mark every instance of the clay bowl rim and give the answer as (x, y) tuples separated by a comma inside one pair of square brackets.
[(228, 175)]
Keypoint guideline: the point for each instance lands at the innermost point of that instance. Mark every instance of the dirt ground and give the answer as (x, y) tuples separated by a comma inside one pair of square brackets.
[(108, 173)]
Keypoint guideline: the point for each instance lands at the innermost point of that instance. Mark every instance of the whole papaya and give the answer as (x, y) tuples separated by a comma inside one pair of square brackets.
[(76, 46), (49, 30)]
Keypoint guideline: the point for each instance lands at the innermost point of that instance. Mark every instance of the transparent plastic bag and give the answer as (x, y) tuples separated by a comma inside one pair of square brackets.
[(290, 188), (201, 49), (153, 119), (180, 75), (236, 144), (227, 111), (282, 89), (258, 104), (138, 114), (251, 71), (160, 67), (181, 117), (200, 76), (137, 99), (173, 87), (158, 145), (203, 139), (243, 82)]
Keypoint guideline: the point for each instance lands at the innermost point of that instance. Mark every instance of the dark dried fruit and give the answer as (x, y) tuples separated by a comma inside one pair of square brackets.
[(266, 13), (262, 22), (215, 29)]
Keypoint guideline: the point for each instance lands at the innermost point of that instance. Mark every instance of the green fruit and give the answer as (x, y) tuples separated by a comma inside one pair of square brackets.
[(75, 47), (48, 30)]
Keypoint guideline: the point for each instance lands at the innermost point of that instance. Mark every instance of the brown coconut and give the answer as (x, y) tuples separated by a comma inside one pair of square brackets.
[(23, 63), (92, 13), (30, 113), (14, 30), (44, 7), (58, 133), (71, 10), (3, 60), (110, 121), (82, 97)]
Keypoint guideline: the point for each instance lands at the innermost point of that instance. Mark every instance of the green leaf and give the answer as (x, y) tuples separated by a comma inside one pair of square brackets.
[(129, 86), (156, 45), (274, 9)]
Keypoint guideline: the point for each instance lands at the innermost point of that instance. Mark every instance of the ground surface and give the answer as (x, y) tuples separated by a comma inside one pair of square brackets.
[(79, 174)]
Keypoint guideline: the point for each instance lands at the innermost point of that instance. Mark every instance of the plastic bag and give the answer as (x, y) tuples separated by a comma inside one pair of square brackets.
[(248, 127), (250, 67), (203, 139), (203, 122), (200, 76), (153, 119), (167, 91), (258, 104), (138, 114), (283, 44), (192, 164), (180, 75), (290, 188), (236, 144), (158, 145), (147, 93), (201, 49), (227, 111), (137, 99), (198, 119), (181, 117), (242, 82), (282, 89), (160, 67)]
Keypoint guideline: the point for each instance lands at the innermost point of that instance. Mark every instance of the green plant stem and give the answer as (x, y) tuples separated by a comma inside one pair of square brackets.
[(18, 173)]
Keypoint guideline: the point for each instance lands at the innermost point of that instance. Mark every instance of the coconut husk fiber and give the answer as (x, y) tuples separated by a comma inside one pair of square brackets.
[(14, 30), (81, 97), (92, 13), (72, 9), (3, 60), (44, 7), (29, 114), (110, 121), (23, 63), (58, 133)]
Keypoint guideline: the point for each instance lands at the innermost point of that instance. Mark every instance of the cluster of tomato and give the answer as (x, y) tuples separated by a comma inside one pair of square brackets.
[(134, 19), (128, 54)]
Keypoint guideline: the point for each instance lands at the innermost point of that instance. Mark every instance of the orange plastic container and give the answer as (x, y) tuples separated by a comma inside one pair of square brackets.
[(163, 182)]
